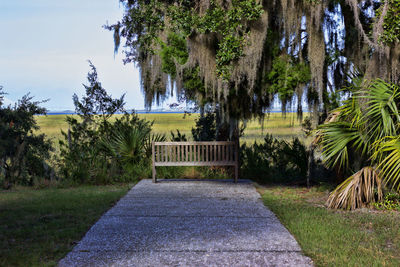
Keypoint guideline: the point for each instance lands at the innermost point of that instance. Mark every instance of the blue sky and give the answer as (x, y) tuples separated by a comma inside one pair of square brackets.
[(45, 45)]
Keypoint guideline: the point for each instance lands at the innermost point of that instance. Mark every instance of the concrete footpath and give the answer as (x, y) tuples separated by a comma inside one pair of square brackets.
[(188, 223)]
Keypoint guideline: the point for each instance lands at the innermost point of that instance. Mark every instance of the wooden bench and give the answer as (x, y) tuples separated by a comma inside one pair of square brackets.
[(195, 154)]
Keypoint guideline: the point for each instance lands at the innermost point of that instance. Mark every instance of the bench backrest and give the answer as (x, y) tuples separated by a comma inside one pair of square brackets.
[(218, 153)]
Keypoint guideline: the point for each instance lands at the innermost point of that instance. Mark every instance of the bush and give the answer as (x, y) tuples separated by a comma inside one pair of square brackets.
[(23, 153), (130, 145), (391, 201), (205, 129), (178, 137), (96, 150), (278, 161), (210, 127)]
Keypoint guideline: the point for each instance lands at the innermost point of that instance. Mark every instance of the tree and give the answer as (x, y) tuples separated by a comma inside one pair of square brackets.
[(96, 104), (233, 49), (81, 161), (23, 152)]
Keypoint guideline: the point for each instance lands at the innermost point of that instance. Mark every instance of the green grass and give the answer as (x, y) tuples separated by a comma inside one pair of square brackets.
[(274, 124), (38, 227), (336, 238)]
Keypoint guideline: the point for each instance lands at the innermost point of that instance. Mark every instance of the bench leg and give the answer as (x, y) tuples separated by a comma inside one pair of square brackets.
[(153, 159), (154, 174)]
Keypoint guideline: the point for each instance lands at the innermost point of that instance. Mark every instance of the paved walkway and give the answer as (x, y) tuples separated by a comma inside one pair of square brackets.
[(188, 223)]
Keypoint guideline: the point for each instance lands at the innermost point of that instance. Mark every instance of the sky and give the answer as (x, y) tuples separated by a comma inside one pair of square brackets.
[(45, 45)]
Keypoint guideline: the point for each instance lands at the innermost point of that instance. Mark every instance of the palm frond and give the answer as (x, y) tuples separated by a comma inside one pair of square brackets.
[(126, 143), (337, 139), (357, 190), (382, 114), (106, 146), (387, 153), (131, 144), (152, 138)]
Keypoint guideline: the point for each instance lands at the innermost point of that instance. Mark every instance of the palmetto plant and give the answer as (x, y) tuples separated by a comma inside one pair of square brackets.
[(361, 140), (130, 145)]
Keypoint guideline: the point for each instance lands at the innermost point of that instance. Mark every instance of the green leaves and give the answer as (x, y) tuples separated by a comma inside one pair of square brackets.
[(130, 144), (102, 148), (230, 49), (391, 24), (145, 21), (365, 118), (286, 76), (23, 152), (97, 102), (382, 112), (142, 23), (227, 23), (387, 153), (363, 133), (338, 138), (172, 52)]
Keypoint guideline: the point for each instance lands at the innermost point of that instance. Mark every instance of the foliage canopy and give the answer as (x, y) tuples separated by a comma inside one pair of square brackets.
[(244, 53)]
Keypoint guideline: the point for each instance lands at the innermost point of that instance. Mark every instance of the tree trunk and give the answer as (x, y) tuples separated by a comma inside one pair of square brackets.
[(311, 147), (310, 164)]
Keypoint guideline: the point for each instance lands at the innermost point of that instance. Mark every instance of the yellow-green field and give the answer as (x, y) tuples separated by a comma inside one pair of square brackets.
[(164, 123)]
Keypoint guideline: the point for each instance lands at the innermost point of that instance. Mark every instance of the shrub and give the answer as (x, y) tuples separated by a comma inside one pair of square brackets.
[(23, 153), (178, 137), (205, 129), (277, 161), (131, 146), (391, 201), (96, 150)]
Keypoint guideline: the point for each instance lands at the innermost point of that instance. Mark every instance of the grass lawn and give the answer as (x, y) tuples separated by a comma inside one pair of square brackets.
[(336, 238), (38, 227)]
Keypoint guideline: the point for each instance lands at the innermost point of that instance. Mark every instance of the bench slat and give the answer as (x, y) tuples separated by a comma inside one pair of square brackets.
[(196, 163), (194, 143)]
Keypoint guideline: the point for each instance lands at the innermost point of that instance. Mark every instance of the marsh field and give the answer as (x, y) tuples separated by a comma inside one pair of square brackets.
[(279, 126)]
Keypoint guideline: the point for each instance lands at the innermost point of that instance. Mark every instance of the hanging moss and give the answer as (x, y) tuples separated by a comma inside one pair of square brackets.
[(232, 45)]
